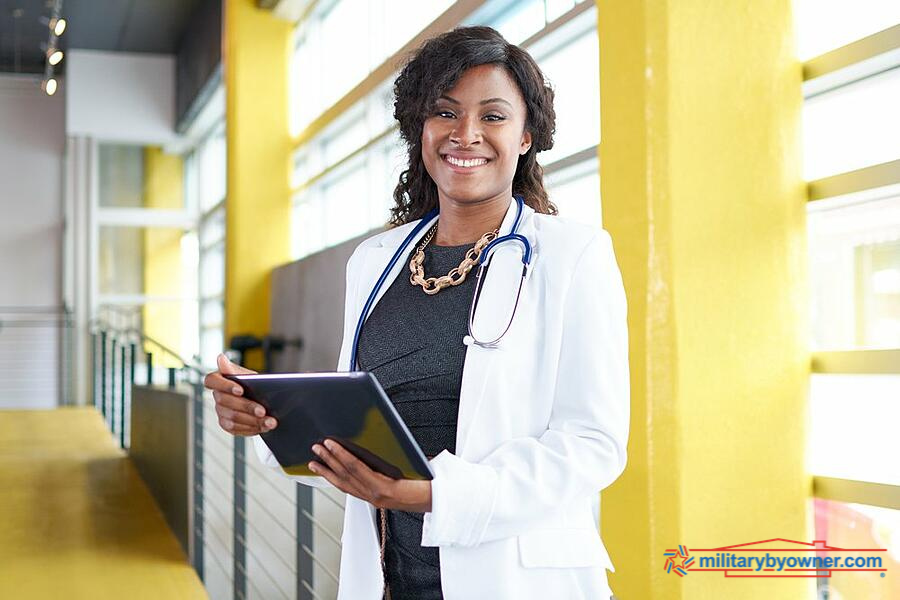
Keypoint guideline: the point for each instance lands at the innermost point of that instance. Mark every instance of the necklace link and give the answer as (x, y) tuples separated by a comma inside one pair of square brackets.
[(433, 285)]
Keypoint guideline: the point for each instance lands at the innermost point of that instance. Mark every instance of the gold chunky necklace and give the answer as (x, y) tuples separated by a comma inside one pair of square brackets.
[(432, 285)]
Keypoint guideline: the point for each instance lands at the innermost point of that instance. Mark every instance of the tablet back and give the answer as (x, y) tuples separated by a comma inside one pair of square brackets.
[(350, 408)]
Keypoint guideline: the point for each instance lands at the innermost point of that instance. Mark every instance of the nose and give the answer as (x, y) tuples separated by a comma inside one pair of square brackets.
[(467, 131)]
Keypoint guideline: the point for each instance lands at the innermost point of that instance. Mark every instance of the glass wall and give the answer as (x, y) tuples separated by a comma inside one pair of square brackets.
[(345, 172), (851, 140)]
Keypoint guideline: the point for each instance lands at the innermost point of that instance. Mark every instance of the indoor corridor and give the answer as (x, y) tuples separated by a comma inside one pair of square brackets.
[(78, 522)]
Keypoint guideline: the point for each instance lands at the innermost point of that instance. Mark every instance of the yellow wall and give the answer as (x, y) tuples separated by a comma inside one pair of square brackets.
[(256, 51), (163, 189), (702, 193)]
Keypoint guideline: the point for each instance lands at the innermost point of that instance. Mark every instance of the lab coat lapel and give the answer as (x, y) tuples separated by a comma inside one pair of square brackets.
[(495, 307)]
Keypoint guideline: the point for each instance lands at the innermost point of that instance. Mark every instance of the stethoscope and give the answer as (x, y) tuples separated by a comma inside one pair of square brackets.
[(484, 262)]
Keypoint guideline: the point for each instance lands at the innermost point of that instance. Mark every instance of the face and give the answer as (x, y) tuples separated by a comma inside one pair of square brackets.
[(472, 141)]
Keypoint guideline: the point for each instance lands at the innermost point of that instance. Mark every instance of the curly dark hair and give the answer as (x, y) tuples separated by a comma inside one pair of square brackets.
[(435, 68)]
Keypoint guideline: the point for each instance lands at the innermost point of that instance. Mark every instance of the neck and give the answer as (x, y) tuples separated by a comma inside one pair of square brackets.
[(465, 222)]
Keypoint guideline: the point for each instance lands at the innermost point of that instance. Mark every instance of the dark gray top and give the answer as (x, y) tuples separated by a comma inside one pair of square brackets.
[(412, 342)]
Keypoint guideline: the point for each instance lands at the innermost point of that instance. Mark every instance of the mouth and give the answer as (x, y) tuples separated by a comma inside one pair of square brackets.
[(464, 165)]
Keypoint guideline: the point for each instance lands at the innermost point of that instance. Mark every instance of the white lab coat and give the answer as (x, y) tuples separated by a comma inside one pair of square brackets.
[(542, 426)]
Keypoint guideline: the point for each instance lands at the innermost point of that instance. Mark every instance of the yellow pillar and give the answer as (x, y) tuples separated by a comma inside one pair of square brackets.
[(256, 51), (703, 195), (163, 273)]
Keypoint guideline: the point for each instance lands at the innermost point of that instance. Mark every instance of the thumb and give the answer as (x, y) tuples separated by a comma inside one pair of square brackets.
[(229, 368)]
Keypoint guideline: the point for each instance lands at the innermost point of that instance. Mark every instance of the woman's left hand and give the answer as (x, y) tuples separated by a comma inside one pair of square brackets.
[(349, 474)]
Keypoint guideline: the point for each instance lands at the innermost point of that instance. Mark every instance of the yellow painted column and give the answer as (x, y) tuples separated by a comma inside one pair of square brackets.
[(256, 51), (703, 195), (163, 269)]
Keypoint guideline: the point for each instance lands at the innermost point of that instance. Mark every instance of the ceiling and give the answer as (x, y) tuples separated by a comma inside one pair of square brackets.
[(153, 26)]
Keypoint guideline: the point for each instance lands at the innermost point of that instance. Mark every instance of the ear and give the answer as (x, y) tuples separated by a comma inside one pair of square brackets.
[(526, 142)]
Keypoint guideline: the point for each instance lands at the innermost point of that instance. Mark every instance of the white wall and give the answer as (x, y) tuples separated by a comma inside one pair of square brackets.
[(120, 96), (32, 142)]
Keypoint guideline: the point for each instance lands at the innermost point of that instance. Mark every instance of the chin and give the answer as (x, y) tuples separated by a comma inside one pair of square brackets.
[(468, 194)]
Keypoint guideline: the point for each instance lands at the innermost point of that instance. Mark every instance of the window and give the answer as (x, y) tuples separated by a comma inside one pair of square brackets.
[(852, 164), (344, 175), (205, 190)]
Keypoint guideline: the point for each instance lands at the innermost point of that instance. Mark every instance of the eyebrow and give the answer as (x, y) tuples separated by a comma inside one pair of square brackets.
[(483, 102)]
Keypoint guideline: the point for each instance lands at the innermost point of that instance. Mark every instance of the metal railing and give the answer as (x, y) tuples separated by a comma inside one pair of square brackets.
[(252, 532)]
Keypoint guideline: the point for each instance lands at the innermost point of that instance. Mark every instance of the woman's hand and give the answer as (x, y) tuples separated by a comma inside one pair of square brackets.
[(237, 416), (349, 474)]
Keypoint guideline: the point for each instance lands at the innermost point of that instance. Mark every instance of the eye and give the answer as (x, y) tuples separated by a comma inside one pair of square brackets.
[(494, 118), (444, 113)]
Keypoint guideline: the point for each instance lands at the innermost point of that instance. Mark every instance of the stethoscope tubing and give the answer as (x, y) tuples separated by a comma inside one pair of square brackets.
[(484, 260)]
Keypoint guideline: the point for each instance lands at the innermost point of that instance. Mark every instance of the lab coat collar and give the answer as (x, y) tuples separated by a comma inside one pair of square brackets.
[(392, 238)]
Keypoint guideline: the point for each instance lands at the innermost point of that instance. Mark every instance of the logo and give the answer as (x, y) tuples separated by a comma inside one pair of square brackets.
[(776, 557), (678, 562)]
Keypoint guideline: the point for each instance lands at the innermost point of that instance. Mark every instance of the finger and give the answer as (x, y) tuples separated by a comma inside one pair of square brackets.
[(321, 470), (237, 428), (243, 418), (331, 461), (357, 468), (230, 368), (239, 404), (216, 382)]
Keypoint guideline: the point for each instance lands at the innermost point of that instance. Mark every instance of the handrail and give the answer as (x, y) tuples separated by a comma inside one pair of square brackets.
[(141, 336), (61, 309)]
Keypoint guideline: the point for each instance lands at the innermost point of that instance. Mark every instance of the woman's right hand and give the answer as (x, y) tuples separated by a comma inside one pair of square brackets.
[(237, 415)]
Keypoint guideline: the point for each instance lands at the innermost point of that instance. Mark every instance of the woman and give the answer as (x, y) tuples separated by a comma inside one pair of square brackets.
[(521, 436)]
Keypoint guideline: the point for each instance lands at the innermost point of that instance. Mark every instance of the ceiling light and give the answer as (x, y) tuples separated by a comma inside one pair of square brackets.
[(50, 86), (54, 56)]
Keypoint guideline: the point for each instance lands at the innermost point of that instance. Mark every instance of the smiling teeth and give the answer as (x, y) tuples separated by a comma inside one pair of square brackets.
[(475, 162)]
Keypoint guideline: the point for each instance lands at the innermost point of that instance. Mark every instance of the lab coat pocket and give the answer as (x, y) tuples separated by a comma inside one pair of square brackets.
[(563, 548)]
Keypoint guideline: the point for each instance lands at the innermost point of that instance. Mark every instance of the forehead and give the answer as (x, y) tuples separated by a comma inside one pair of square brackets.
[(486, 81)]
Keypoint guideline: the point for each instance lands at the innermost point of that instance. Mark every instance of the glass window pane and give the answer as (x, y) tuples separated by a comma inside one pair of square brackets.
[(212, 313), (824, 25), (853, 126), (212, 342), (557, 8), (844, 525), (344, 138), (401, 21), (853, 433), (347, 20), (577, 99), (212, 171), (120, 171), (576, 192), (121, 260), (212, 230), (212, 271), (854, 253), (346, 199), (521, 21)]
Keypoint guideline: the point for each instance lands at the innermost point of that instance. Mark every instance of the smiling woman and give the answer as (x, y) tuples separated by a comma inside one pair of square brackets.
[(521, 432)]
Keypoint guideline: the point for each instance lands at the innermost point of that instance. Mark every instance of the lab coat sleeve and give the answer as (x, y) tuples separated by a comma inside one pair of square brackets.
[(262, 451), (583, 448)]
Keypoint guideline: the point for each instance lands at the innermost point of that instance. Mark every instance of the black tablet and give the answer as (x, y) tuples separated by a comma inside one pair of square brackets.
[(350, 408)]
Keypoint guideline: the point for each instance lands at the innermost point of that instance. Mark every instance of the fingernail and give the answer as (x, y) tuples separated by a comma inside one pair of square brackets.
[(270, 423), (317, 449), (329, 444), (259, 411), (313, 467), (236, 391)]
